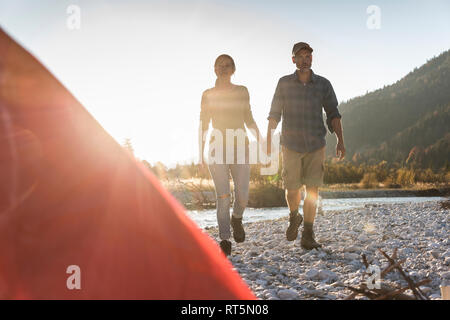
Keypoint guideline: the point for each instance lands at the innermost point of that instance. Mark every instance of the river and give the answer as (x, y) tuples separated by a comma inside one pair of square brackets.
[(207, 218)]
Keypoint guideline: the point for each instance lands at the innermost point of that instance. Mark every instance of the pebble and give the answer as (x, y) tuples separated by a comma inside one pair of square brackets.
[(435, 253), (288, 294), (363, 238), (315, 292), (351, 256), (327, 275), (278, 269), (312, 273), (353, 249)]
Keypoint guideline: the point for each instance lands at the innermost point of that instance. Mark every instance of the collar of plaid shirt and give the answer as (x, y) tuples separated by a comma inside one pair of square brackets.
[(313, 77)]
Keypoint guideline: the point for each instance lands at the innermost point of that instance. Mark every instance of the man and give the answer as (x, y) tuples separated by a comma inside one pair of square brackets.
[(299, 98)]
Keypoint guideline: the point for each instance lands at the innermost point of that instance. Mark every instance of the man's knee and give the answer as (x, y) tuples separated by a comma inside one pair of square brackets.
[(312, 193)]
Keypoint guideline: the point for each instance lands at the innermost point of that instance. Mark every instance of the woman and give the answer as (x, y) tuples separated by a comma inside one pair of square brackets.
[(227, 106)]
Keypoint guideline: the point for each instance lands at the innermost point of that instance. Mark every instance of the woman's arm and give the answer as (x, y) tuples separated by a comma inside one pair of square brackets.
[(248, 117), (255, 131), (202, 132), (205, 118)]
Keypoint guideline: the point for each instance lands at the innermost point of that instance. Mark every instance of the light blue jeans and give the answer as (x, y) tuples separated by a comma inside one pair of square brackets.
[(220, 174)]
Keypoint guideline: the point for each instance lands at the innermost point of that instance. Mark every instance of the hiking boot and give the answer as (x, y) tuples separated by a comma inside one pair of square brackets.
[(294, 223), (238, 229), (308, 241), (226, 247)]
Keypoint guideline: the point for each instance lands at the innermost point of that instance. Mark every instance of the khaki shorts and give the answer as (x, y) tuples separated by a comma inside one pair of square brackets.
[(302, 168)]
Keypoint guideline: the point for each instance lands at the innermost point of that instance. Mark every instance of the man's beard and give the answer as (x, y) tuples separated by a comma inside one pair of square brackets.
[(304, 68)]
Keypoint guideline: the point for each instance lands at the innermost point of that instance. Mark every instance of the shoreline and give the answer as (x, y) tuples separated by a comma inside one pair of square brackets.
[(385, 193), (275, 268), (206, 199)]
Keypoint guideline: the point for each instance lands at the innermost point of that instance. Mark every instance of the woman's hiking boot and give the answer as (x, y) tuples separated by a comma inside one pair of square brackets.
[(238, 229)]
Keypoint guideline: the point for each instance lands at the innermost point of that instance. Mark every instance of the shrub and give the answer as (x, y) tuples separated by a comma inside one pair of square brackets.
[(405, 177), (369, 180)]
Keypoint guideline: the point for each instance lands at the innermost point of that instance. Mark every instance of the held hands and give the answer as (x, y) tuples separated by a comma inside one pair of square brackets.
[(204, 166), (267, 147)]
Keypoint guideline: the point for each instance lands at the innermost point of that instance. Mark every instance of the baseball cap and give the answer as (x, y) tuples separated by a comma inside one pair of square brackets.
[(299, 46)]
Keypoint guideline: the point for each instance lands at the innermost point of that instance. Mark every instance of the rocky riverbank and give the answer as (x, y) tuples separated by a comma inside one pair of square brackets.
[(277, 269)]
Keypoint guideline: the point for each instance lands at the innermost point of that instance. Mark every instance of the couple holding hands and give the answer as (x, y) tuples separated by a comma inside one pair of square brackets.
[(298, 101)]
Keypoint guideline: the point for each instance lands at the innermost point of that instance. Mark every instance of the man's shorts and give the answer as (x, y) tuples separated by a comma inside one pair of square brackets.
[(302, 168)]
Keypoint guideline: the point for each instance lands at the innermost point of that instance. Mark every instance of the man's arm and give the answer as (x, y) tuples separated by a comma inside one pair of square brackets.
[(330, 104), (337, 128), (274, 115)]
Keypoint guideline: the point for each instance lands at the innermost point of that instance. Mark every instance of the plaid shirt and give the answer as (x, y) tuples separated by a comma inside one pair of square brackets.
[(301, 105)]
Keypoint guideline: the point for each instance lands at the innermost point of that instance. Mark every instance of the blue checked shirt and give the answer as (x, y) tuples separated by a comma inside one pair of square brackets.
[(303, 129)]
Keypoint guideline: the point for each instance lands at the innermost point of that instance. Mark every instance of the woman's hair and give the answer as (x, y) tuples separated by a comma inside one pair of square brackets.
[(222, 56)]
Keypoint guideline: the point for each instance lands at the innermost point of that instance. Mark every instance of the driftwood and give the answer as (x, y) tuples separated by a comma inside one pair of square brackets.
[(387, 292), (445, 204)]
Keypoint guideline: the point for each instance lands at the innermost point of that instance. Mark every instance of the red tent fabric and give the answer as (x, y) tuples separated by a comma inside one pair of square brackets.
[(71, 195)]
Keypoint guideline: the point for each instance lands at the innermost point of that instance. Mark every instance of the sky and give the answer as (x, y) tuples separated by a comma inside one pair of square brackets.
[(140, 67)]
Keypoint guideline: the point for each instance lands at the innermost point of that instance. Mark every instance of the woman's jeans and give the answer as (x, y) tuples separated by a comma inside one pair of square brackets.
[(221, 177)]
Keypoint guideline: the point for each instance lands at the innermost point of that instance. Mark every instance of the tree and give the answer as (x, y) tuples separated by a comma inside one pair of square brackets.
[(128, 146)]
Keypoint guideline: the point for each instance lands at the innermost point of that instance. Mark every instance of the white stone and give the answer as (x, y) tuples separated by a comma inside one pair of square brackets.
[(288, 294), (435, 253), (434, 245), (315, 292), (352, 249), (327, 275), (446, 254), (363, 238), (351, 256), (312, 273), (261, 282)]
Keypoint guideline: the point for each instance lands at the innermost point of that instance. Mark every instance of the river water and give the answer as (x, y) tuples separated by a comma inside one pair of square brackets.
[(207, 218)]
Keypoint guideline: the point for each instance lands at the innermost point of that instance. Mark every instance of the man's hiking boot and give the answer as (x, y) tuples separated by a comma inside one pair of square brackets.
[(295, 220), (226, 247), (238, 229), (308, 241)]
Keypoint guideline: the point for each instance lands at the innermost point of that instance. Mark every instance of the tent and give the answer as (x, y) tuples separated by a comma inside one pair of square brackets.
[(80, 218)]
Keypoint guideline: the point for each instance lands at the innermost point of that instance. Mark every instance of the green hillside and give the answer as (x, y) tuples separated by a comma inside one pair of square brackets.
[(412, 113)]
